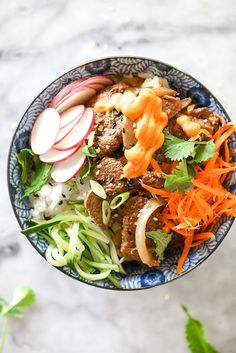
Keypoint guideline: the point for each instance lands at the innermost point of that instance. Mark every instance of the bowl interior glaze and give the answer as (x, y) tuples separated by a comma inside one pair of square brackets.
[(137, 277)]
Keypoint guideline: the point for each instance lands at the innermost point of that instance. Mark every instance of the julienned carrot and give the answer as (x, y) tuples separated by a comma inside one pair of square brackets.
[(155, 165), (184, 255), (227, 154), (225, 135), (161, 192), (211, 190), (218, 171), (204, 235), (194, 211)]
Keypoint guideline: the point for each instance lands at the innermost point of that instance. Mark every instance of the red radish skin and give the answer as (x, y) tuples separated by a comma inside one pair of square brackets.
[(79, 96), (53, 156), (77, 84), (104, 80), (45, 130), (96, 86), (79, 132), (70, 115), (63, 92), (66, 170)]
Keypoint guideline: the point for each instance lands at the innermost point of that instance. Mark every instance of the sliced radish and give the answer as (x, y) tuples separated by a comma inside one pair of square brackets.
[(66, 90), (64, 171), (70, 115), (104, 80), (45, 130), (79, 132), (54, 156), (96, 86), (62, 133), (79, 96)]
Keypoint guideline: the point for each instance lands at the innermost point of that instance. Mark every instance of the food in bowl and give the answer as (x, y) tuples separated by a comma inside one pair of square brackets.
[(122, 169)]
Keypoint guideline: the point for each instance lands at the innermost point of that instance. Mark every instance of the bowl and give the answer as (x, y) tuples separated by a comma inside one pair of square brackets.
[(138, 276)]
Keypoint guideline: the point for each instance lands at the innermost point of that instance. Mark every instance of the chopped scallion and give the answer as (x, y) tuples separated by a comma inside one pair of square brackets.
[(98, 189), (106, 212), (118, 200)]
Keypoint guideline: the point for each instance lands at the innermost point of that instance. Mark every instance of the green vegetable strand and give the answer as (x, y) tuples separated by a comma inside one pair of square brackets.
[(4, 333)]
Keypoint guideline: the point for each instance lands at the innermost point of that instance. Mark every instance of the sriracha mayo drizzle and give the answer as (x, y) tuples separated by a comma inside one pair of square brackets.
[(146, 110)]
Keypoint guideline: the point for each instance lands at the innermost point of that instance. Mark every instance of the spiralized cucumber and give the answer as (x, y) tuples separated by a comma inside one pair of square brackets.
[(79, 243)]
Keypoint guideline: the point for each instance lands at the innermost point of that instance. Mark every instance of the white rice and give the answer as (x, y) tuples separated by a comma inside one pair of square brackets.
[(52, 198)]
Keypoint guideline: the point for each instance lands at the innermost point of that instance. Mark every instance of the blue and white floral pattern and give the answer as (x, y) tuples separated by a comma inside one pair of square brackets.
[(137, 276)]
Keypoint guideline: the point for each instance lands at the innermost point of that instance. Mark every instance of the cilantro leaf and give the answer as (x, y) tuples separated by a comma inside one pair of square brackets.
[(26, 159), (195, 336), (180, 178), (175, 148), (161, 240), (89, 151), (41, 177), (204, 152), (86, 170), (23, 296)]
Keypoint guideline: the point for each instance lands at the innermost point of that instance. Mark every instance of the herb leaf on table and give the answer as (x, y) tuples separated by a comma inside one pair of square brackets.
[(195, 335), (23, 296)]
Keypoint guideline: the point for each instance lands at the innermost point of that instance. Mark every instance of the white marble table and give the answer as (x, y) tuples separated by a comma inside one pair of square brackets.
[(40, 40)]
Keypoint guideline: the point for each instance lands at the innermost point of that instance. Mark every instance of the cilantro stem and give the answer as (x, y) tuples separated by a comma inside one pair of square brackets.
[(4, 333)]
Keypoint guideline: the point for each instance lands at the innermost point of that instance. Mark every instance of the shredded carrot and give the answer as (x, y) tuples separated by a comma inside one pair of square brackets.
[(174, 165), (184, 255), (205, 235), (225, 135), (155, 166), (227, 154), (152, 190), (192, 213)]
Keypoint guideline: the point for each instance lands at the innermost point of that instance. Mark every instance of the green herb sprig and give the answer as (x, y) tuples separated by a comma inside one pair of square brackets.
[(177, 149), (195, 335), (23, 296)]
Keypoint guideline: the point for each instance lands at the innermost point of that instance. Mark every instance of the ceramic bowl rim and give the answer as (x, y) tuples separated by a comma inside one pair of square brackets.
[(9, 186)]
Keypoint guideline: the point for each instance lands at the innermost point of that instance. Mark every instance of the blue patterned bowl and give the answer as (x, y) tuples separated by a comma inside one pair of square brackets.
[(138, 277)]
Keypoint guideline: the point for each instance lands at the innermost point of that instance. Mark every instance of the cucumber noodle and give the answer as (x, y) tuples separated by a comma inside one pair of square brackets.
[(74, 240)]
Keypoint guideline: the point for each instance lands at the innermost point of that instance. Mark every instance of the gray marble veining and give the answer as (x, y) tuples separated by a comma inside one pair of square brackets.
[(40, 40)]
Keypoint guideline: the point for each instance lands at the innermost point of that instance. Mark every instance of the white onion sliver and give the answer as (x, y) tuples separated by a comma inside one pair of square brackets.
[(140, 237)]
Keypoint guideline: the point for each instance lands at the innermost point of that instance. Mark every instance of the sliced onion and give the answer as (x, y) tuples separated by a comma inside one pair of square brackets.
[(140, 238)]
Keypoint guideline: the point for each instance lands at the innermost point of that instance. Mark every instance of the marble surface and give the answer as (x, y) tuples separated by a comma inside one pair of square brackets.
[(40, 40)]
